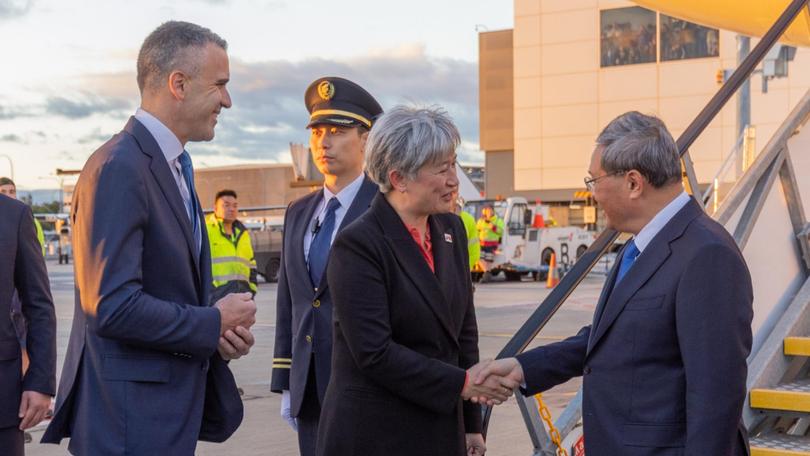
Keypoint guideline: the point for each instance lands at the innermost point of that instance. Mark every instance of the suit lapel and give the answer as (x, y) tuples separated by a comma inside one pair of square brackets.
[(360, 204), (603, 298), (410, 258), (302, 226), (645, 266), (443, 264), (163, 175)]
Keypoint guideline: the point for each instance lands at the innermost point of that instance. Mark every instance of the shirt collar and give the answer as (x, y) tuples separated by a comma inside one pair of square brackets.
[(646, 235), (167, 141), (345, 196)]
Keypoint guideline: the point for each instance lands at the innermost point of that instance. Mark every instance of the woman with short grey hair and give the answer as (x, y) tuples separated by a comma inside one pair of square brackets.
[(404, 323), (405, 139)]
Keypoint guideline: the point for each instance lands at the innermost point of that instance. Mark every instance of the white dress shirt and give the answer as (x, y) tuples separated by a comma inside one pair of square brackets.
[(654, 226), (345, 196)]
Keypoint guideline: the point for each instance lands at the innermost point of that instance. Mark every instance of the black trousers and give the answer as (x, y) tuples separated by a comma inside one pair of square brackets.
[(12, 441), (309, 415)]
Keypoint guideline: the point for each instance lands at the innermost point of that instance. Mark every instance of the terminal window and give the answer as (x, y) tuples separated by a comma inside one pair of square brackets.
[(628, 36), (685, 40)]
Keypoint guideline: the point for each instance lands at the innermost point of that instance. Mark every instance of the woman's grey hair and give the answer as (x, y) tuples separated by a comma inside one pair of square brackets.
[(641, 142), (407, 138), (167, 49)]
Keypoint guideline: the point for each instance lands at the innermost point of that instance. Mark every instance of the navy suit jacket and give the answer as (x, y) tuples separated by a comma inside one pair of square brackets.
[(23, 268), (304, 313), (664, 370), (134, 376)]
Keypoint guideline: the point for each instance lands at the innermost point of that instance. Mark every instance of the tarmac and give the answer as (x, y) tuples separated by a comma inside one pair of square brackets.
[(501, 308)]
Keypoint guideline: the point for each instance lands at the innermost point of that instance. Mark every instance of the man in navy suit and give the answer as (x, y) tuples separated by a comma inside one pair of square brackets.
[(143, 335), (664, 362), (24, 398), (341, 114)]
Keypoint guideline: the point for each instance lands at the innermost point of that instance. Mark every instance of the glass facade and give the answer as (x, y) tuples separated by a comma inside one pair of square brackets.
[(684, 40), (630, 35), (627, 36)]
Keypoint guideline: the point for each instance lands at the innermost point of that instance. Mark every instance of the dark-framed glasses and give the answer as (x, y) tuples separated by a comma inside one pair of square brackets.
[(590, 181)]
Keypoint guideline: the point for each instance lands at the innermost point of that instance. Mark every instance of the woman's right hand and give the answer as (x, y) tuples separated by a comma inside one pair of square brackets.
[(493, 389)]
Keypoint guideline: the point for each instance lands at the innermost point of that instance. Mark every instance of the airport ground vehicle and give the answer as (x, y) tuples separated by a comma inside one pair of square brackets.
[(266, 238), (527, 243)]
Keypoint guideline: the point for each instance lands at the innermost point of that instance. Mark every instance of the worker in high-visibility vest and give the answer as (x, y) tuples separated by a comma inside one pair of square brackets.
[(473, 244), (233, 265), (9, 188), (490, 229)]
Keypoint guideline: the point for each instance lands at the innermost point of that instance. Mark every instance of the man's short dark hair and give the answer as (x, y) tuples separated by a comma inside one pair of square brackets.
[(167, 49), (7, 181), (225, 192)]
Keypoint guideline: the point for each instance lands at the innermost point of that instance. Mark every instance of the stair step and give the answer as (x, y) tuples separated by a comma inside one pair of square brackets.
[(780, 445), (794, 397), (797, 346)]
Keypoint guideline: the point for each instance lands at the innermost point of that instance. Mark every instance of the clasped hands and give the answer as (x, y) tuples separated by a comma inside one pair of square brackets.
[(238, 314), (492, 382)]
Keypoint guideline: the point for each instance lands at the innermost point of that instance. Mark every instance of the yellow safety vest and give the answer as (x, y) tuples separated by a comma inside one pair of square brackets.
[(231, 256), (40, 235), (490, 230), (473, 245)]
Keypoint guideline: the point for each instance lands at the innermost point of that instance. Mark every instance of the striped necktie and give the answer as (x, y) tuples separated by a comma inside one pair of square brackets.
[(191, 205), (322, 242)]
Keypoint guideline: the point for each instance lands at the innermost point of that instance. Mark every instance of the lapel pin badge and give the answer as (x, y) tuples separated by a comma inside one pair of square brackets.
[(448, 238)]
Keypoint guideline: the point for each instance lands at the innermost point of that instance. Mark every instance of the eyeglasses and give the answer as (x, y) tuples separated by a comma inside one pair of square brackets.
[(589, 182)]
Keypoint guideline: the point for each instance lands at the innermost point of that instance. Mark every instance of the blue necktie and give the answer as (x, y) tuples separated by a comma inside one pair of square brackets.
[(321, 242), (629, 256), (191, 205)]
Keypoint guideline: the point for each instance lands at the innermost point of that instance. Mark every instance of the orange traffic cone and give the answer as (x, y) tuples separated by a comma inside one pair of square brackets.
[(553, 277)]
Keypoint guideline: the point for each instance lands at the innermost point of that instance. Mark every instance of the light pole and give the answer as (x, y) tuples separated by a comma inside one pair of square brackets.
[(10, 164)]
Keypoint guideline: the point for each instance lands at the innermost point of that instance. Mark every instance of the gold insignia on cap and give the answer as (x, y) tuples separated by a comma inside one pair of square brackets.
[(326, 90)]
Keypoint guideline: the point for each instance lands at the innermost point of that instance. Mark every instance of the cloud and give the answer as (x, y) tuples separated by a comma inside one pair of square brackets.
[(95, 138), (10, 113), (269, 112), (86, 106), (12, 138), (14, 8), (268, 97)]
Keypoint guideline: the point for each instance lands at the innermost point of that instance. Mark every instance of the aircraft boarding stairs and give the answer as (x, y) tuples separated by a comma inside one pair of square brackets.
[(765, 209)]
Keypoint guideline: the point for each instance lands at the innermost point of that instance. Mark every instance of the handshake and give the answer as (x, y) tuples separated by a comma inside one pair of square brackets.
[(492, 382), (237, 314)]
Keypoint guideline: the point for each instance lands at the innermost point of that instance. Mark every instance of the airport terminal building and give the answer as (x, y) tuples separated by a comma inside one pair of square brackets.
[(548, 87)]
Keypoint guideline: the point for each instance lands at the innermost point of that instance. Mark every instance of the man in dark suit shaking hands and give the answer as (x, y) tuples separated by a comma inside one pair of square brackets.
[(24, 399), (664, 362), (134, 378)]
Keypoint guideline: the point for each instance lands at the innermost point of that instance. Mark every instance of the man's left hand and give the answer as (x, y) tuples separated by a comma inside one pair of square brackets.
[(34, 407), (235, 343)]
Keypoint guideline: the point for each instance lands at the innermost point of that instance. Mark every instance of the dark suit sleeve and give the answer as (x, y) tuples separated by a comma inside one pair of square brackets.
[(547, 366), (282, 349), (31, 281), (468, 339), (360, 298), (713, 320), (110, 217)]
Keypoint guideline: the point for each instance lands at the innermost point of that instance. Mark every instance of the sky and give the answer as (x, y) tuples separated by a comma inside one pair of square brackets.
[(68, 78)]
